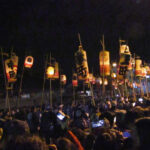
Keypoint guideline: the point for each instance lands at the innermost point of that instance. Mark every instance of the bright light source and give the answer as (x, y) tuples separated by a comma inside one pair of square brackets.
[(114, 64), (50, 71), (113, 75), (148, 77)]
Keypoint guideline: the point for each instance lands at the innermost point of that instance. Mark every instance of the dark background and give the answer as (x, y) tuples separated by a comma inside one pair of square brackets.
[(38, 27)]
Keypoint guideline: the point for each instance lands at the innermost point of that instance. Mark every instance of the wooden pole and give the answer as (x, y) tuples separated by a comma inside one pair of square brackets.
[(61, 100), (146, 87), (103, 76), (50, 89), (44, 79), (74, 99), (141, 87), (92, 94), (20, 86)]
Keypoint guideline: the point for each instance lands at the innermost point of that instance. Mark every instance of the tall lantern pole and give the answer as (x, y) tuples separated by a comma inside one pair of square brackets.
[(103, 76), (20, 86), (44, 78), (50, 85)]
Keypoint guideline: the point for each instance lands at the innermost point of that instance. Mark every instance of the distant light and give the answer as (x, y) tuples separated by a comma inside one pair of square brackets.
[(134, 85), (114, 64), (141, 100), (50, 70), (148, 77), (133, 104)]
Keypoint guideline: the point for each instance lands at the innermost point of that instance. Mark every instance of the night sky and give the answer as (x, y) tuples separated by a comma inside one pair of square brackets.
[(37, 27)]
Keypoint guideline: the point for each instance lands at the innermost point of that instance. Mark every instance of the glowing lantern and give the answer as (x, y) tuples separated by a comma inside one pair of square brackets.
[(81, 64), (144, 72), (147, 70), (100, 81), (63, 79), (114, 64), (28, 61), (138, 69), (74, 80), (124, 47), (11, 67), (113, 75), (104, 63), (105, 82), (50, 72)]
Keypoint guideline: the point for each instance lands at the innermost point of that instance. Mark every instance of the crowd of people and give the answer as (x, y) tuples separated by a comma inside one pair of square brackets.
[(117, 124)]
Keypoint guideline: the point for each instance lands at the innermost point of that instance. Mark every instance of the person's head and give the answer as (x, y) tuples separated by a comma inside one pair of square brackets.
[(142, 128), (16, 127), (25, 143), (103, 141), (65, 144)]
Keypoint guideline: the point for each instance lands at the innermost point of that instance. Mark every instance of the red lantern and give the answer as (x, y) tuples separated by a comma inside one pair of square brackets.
[(74, 80), (28, 61)]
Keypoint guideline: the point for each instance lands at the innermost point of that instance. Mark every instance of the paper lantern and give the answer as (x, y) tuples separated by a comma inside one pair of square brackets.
[(105, 82), (113, 75), (28, 61), (55, 75), (63, 79), (11, 67), (99, 81), (124, 48), (50, 72), (10, 73), (114, 64), (81, 64), (147, 69), (138, 69), (104, 63), (74, 80)]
